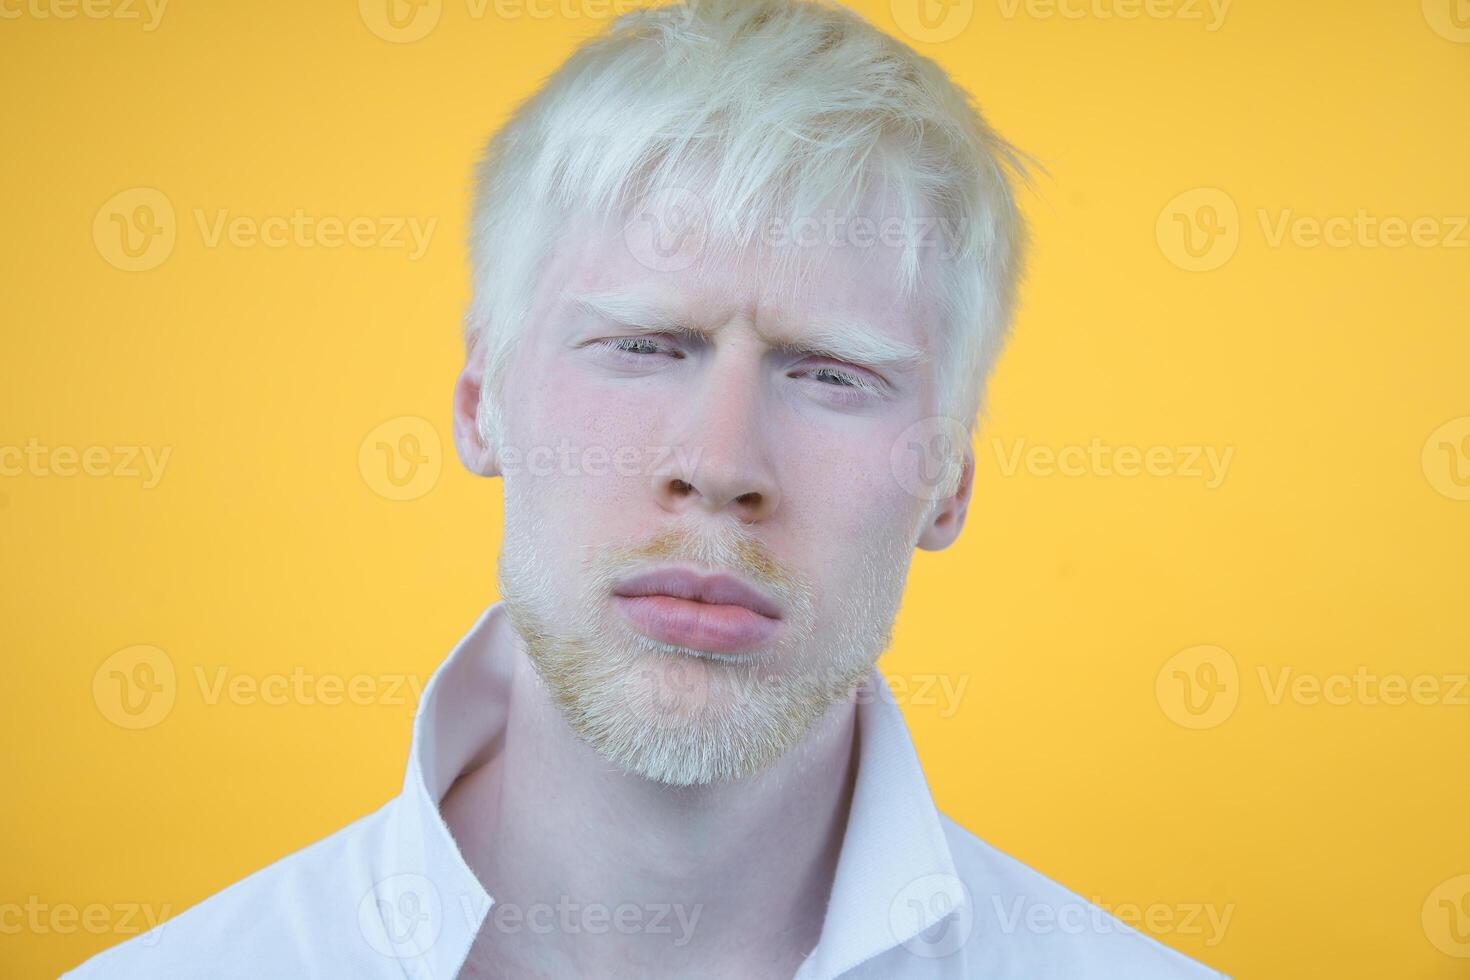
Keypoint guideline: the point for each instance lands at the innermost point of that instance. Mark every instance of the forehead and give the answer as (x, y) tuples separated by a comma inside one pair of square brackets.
[(830, 268)]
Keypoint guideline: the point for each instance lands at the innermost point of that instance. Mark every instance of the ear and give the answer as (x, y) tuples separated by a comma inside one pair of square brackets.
[(477, 457), (949, 514)]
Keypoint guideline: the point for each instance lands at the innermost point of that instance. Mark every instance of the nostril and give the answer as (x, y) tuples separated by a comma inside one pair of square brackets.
[(680, 487), (751, 499)]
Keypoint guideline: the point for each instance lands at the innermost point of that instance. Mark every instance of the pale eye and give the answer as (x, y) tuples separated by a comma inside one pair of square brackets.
[(840, 384), (636, 345), (638, 348), (832, 376)]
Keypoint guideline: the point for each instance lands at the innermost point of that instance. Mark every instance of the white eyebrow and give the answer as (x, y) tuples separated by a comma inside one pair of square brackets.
[(630, 309), (856, 342), (833, 337)]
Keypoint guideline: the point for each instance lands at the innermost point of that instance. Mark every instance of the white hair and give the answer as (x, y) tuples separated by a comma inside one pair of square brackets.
[(775, 105)]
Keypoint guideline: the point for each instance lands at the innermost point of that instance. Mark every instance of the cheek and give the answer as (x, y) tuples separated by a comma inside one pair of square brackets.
[(842, 491), (577, 447)]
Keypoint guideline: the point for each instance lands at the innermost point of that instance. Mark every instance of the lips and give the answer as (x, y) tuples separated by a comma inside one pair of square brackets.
[(716, 613)]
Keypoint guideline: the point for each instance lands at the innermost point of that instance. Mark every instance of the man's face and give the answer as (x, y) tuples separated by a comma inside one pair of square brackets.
[(706, 536)]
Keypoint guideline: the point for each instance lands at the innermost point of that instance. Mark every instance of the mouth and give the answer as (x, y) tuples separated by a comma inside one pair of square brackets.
[(713, 613)]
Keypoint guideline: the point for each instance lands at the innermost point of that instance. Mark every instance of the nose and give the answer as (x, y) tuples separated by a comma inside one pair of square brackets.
[(675, 494), (719, 463)]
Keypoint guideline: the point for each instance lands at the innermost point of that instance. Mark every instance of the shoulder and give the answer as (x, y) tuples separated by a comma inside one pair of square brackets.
[(295, 917), (1034, 927)]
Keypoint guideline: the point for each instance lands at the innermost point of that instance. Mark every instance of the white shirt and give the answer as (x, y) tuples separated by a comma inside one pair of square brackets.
[(915, 894)]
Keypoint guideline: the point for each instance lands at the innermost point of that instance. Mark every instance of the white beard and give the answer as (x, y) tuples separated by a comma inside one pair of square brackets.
[(681, 716)]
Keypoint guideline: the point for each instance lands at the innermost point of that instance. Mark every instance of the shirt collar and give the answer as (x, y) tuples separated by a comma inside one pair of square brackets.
[(894, 848)]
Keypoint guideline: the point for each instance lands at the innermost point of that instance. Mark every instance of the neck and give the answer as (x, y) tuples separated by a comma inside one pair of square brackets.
[(591, 866)]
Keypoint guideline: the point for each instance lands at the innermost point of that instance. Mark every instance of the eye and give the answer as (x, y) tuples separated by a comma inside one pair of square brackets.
[(840, 383), (636, 348), (845, 379)]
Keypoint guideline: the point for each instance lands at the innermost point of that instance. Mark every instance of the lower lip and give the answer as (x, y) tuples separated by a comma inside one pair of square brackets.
[(698, 625)]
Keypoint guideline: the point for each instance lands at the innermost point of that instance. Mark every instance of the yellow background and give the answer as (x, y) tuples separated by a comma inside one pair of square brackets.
[(1334, 541)]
